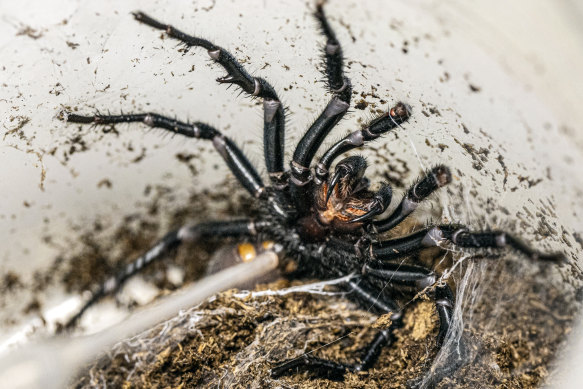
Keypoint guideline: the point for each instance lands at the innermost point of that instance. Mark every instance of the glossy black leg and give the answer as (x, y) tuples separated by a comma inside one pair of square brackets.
[(333, 57), (417, 278), (301, 180), (274, 115), (218, 229), (459, 236), (233, 156), (326, 368)]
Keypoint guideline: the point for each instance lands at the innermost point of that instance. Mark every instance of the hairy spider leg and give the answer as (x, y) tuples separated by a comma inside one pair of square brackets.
[(432, 180), (301, 180), (459, 236), (372, 350), (273, 110), (333, 57), (189, 233), (377, 127), (233, 156)]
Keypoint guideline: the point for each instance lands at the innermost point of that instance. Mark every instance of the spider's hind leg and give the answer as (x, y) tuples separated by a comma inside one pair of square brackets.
[(217, 229), (383, 338)]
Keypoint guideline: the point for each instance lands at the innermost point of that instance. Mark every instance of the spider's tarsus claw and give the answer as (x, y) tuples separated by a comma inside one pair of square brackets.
[(381, 201)]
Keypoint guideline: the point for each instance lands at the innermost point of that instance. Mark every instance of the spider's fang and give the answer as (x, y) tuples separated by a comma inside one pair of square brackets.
[(330, 189), (337, 176), (377, 209)]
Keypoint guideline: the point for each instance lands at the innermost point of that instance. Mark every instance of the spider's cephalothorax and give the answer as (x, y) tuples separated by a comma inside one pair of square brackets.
[(330, 224)]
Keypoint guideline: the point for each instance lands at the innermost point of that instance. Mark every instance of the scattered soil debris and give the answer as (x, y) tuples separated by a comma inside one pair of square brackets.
[(21, 121), (361, 104), (474, 88), (72, 45), (479, 156), (30, 32), (10, 282), (105, 183)]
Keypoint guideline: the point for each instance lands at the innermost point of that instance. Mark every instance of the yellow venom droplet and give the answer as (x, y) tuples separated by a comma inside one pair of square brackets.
[(246, 252)]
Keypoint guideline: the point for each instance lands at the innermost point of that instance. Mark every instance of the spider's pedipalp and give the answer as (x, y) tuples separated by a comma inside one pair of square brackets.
[(377, 127), (434, 179)]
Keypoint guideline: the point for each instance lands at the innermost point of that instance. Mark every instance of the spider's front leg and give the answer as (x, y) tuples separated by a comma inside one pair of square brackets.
[(301, 179), (217, 229), (274, 115)]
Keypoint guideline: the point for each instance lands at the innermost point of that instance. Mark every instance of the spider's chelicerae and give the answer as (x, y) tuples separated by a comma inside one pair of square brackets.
[(328, 223)]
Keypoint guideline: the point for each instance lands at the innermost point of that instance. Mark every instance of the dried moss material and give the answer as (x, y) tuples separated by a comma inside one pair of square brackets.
[(232, 341)]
